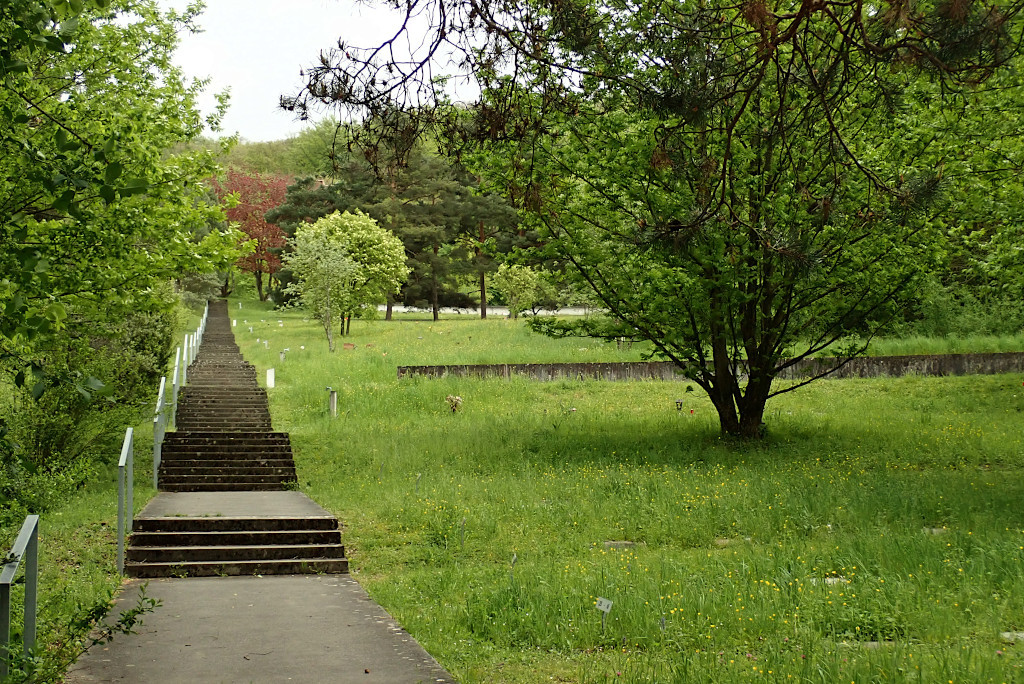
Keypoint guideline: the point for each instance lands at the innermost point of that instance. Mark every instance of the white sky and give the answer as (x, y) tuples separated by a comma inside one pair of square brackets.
[(256, 48)]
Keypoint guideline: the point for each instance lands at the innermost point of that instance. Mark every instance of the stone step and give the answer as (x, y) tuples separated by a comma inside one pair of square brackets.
[(232, 451), (240, 460), (233, 553), (306, 566), (190, 401), (230, 439), (208, 424), (224, 487), (216, 523), (177, 474), (225, 413), (226, 425), (226, 477), (170, 465), (235, 537), (207, 399)]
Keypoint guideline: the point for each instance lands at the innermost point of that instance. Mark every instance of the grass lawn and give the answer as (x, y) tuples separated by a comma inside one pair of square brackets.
[(876, 535)]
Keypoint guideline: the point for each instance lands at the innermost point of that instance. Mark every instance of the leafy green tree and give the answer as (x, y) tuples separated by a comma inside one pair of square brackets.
[(96, 217), (742, 184), (322, 271), (519, 286), (345, 264), (448, 227), (91, 210)]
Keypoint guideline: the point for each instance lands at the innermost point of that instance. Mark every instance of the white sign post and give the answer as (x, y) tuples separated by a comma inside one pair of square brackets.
[(605, 606)]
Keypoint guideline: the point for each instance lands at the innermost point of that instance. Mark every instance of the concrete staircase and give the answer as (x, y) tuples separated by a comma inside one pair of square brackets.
[(200, 547), (206, 461), (225, 453)]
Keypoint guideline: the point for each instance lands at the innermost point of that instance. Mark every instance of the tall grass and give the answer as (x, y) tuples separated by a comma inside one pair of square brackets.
[(876, 535), (950, 344)]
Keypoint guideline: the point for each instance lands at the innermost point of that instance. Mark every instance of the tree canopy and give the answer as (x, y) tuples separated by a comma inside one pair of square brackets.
[(249, 197), (344, 264), (743, 184), (97, 215)]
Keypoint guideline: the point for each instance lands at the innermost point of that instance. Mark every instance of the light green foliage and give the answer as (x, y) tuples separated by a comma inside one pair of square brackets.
[(96, 218), (93, 213), (733, 544), (740, 184), (518, 285), (306, 154), (344, 265)]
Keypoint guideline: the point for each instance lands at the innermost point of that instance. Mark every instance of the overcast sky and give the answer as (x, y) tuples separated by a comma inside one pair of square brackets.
[(256, 48)]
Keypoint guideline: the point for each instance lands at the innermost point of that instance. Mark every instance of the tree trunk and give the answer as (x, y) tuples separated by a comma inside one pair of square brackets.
[(348, 325), (742, 419), (225, 289), (328, 323), (391, 305), (483, 278), (433, 296), (483, 295), (259, 285)]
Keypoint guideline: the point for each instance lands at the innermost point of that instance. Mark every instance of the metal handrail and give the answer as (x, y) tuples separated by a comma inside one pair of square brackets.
[(159, 428), (175, 386), (25, 546), (125, 481)]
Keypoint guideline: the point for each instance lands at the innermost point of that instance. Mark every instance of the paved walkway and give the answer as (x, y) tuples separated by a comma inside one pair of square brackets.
[(284, 628), (248, 628)]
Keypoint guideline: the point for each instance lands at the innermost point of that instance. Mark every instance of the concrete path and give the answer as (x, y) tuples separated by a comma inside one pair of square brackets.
[(284, 628), (271, 628)]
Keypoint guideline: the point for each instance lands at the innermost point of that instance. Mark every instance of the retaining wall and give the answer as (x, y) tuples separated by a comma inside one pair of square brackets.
[(863, 367)]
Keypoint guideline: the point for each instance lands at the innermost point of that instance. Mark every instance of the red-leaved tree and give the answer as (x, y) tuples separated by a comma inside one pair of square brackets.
[(257, 194)]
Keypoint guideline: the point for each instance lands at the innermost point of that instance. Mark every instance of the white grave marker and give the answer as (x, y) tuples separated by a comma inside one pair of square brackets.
[(270, 378), (605, 606)]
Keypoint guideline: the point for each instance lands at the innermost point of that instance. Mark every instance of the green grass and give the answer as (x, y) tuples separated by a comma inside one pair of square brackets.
[(947, 345), (728, 578), (77, 566)]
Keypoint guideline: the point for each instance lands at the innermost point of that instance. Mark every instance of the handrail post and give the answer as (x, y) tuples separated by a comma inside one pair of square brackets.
[(31, 589), (120, 519), (25, 546), (159, 427), (125, 510), (174, 388), (184, 363)]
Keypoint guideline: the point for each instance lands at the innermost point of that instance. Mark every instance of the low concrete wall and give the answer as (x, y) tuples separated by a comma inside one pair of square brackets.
[(864, 367)]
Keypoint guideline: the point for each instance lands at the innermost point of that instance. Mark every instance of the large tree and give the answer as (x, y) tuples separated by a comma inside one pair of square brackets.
[(449, 228), (344, 264), (97, 215), (93, 211), (743, 184), (249, 196)]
